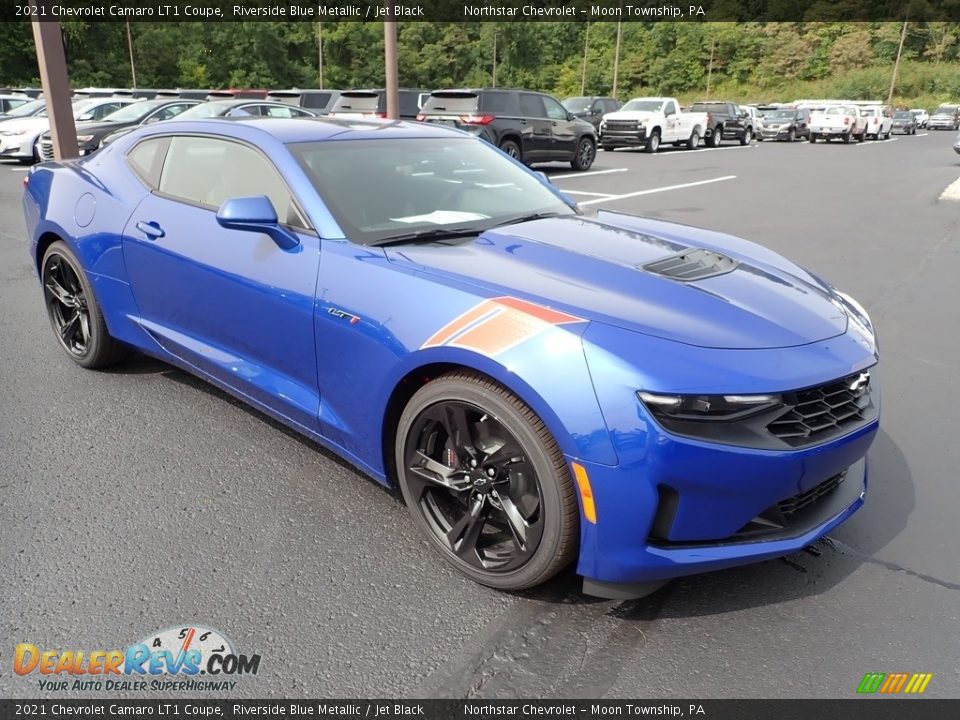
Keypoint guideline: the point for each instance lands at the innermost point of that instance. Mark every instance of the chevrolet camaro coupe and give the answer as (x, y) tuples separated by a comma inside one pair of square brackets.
[(545, 385)]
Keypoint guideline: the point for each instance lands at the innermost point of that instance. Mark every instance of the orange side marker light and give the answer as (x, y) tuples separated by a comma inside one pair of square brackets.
[(586, 493)]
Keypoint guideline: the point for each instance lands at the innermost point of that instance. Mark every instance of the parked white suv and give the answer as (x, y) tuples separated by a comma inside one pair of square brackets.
[(922, 117), (649, 121), (879, 121)]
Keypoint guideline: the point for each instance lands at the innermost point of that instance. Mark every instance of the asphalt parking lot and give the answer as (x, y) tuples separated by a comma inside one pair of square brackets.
[(139, 499)]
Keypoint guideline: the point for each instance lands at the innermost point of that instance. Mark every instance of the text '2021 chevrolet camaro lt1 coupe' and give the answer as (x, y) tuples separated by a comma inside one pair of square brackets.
[(544, 385)]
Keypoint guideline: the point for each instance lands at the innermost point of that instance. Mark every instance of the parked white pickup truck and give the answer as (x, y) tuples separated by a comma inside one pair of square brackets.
[(838, 121), (648, 122)]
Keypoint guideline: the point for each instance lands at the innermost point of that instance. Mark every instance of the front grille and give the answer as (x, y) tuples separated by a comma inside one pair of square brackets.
[(819, 413), (46, 149), (620, 125), (795, 504)]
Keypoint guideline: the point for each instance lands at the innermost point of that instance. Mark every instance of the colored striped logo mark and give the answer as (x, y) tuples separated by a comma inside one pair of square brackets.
[(494, 326), (894, 683)]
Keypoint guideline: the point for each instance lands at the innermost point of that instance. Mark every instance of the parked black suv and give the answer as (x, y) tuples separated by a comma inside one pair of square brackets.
[(529, 126), (591, 109), (725, 121), (373, 103)]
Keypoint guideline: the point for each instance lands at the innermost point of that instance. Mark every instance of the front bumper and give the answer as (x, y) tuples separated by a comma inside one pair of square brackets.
[(941, 124), (709, 495), (16, 146), (775, 133), (623, 138)]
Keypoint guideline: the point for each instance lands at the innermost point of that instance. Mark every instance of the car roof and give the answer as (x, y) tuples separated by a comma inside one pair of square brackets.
[(317, 129)]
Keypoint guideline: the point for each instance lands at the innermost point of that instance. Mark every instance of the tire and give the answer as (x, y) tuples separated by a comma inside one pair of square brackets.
[(861, 137), (586, 153), (607, 148), (74, 312), (847, 137), (543, 536), (812, 137), (715, 137), (791, 135), (693, 142), (512, 149), (886, 136), (759, 138), (653, 142), (746, 137)]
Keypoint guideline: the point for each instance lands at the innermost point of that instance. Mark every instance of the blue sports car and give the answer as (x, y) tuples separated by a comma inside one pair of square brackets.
[(545, 385)]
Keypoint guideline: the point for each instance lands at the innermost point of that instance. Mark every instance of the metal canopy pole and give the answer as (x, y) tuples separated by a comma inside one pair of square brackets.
[(56, 85), (390, 61)]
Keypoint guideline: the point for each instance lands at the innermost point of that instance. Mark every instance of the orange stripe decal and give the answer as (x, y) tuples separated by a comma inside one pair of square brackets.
[(496, 325)]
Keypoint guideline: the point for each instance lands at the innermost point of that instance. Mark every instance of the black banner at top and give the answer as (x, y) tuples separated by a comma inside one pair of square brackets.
[(480, 10)]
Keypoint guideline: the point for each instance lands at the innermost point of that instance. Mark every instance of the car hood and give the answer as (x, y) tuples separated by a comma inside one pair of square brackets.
[(592, 267), (631, 115), (28, 124)]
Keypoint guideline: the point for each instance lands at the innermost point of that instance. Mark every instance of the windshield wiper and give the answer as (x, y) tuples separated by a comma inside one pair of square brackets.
[(532, 216), (426, 236)]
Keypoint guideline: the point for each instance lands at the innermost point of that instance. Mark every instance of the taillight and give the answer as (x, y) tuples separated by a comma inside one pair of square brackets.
[(477, 119), (26, 180), (846, 121), (421, 117), (374, 114)]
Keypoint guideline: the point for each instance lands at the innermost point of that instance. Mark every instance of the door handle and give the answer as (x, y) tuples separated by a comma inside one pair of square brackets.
[(151, 229), (523, 122)]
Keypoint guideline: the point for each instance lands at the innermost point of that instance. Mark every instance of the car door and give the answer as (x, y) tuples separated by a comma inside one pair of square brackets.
[(536, 129), (563, 129), (673, 129), (231, 303)]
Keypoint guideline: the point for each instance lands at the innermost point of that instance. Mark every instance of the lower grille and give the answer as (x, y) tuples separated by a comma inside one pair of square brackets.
[(795, 504), (46, 149), (819, 413)]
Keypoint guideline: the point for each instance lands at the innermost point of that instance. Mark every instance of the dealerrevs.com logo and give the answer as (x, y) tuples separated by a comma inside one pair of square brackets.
[(186, 659)]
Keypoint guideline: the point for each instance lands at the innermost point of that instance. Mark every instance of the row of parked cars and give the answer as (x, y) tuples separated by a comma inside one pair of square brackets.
[(530, 126)]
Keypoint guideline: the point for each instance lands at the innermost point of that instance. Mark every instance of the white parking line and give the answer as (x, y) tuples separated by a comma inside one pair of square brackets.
[(587, 174), (659, 190), (877, 142), (688, 152), (922, 134), (583, 192), (20, 169), (952, 192)]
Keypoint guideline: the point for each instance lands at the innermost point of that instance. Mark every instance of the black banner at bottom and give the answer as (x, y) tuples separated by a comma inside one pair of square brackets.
[(853, 709)]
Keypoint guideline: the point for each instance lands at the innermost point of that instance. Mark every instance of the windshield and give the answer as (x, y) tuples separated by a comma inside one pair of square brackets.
[(834, 111), (644, 105), (946, 110), (902, 116), (781, 115), (379, 189), (577, 104), (25, 110), (130, 113), (868, 112)]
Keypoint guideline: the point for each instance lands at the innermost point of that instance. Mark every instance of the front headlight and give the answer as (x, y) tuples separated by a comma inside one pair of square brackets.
[(84, 138), (860, 321), (706, 408), (13, 133)]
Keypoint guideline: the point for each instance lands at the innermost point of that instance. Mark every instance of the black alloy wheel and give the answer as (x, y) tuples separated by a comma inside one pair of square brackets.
[(73, 310), (584, 156), (512, 149), (486, 483)]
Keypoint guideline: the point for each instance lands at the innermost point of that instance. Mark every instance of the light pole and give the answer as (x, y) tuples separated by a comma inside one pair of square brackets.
[(586, 46), (896, 64), (320, 52), (133, 69), (616, 58), (56, 84)]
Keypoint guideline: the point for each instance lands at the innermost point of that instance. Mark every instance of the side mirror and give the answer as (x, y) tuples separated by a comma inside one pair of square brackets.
[(544, 176), (255, 214), (152, 119), (86, 116)]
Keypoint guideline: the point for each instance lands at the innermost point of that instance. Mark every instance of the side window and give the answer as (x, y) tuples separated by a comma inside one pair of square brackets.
[(146, 160), (244, 111), (670, 109), (597, 106), (207, 171), (104, 110), (499, 103), (277, 112), (555, 110), (532, 106)]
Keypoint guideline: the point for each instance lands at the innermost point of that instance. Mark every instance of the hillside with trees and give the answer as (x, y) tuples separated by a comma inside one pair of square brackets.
[(747, 61)]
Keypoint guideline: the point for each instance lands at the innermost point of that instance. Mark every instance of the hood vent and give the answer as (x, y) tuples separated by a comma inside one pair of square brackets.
[(692, 265)]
